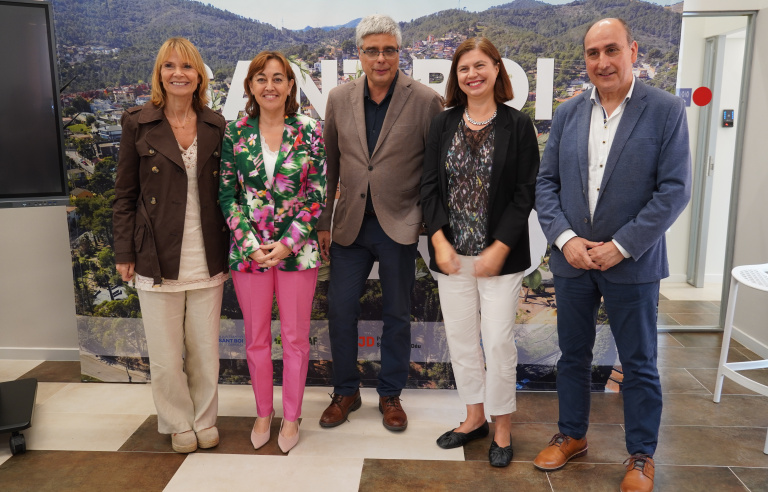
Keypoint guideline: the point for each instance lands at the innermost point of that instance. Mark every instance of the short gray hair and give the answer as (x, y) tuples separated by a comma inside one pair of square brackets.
[(377, 24)]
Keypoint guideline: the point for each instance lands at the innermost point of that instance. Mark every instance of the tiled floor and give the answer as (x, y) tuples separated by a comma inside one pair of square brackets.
[(100, 436), (682, 305)]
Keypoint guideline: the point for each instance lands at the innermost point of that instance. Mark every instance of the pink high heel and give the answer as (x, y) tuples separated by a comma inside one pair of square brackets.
[(260, 439), (286, 443)]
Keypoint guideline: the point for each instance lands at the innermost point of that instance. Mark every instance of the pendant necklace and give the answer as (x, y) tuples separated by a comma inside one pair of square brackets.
[(184, 125)]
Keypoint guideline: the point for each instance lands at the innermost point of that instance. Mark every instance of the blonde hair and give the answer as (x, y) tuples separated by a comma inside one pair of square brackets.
[(189, 54)]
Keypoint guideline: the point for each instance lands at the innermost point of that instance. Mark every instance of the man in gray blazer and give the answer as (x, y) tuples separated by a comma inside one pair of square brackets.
[(375, 132), (615, 175)]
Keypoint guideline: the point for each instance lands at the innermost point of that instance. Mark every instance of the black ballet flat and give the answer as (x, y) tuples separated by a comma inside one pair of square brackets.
[(498, 456), (452, 439)]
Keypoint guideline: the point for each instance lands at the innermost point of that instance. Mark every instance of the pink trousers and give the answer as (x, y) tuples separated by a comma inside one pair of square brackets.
[(295, 291)]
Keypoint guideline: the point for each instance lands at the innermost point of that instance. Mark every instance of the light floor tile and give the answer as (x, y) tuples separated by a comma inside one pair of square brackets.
[(683, 291), (101, 398), (12, 369), (47, 390), (364, 436), (81, 431), (285, 473), (237, 400)]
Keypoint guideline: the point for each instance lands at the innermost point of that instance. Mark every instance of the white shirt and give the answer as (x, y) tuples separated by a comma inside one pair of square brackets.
[(602, 130), (270, 158)]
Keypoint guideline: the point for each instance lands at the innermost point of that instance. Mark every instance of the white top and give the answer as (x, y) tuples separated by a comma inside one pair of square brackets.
[(602, 130), (193, 266), (270, 158)]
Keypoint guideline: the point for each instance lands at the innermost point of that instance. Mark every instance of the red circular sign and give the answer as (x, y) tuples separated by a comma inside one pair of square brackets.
[(702, 96)]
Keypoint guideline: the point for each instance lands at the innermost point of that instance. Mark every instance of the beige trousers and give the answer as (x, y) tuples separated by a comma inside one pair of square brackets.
[(482, 346), (182, 330)]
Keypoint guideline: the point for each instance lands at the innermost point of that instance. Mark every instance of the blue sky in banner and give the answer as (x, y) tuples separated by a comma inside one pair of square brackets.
[(298, 14)]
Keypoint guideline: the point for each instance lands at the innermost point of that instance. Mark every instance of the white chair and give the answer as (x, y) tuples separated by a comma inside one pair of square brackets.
[(755, 276)]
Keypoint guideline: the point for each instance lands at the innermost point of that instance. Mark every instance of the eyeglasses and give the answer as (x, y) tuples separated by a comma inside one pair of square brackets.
[(388, 53)]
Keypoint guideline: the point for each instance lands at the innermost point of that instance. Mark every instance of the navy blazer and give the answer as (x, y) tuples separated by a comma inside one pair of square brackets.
[(513, 181), (646, 185)]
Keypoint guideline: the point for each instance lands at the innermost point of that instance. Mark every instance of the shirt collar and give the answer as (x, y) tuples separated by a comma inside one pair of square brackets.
[(367, 93), (595, 97)]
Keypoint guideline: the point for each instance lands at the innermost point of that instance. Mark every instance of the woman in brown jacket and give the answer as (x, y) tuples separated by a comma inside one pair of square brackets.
[(171, 238)]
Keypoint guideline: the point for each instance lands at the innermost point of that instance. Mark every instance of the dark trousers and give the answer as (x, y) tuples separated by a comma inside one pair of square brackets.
[(350, 267), (632, 314)]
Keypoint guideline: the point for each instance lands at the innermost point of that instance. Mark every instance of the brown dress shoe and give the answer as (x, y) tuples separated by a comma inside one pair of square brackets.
[(560, 449), (639, 477), (338, 410), (394, 415)]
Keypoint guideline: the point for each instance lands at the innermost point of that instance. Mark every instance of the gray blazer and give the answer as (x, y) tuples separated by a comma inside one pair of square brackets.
[(393, 170), (646, 185)]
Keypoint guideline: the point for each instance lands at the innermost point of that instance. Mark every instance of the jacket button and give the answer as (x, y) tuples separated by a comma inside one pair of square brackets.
[(216, 153), (215, 173), (362, 195), (153, 201), (224, 229), (218, 202), (586, 220), (155, 169), (151, 151), (370, 168)]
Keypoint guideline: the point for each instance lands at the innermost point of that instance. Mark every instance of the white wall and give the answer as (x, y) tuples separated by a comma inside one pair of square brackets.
[(751, 238), (37, 300)]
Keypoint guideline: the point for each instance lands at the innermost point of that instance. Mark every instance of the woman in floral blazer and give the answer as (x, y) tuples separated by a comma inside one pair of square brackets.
[(272, 191)]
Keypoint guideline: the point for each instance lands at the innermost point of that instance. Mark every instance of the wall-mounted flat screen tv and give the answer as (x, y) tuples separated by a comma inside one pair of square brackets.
[(32, 164)]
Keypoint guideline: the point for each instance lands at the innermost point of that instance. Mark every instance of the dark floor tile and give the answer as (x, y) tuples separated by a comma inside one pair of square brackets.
[(756, 479), (234, 438), (585, 477), (676, 380), (696, 479), (695, 357), (748, 354), (88, 471), (666, 320), (696, 319), (536, 406), (52, 371), (702, 339), (708, 377), (607, 408), (711, 446), (410, 475), (688, 307), (667, 340), (733, 410)]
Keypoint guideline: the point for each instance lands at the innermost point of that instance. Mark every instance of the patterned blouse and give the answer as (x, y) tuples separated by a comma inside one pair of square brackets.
[(468, 167)]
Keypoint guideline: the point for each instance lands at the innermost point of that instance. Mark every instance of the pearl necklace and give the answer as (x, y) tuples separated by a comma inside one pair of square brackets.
[(479, 123)]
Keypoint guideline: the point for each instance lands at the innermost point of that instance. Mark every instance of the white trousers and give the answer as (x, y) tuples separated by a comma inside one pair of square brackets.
[(182, 330), (463, 297)]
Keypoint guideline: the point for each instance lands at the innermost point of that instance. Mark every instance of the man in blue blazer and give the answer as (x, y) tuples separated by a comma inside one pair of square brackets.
[(615, 175)]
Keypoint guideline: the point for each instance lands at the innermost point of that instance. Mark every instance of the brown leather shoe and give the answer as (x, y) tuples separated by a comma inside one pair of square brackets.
[(394, 416), (560, 449), (640, 471), (338, 410)]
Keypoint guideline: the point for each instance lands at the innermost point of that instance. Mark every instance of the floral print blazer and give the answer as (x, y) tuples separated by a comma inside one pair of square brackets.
[(285, 208)]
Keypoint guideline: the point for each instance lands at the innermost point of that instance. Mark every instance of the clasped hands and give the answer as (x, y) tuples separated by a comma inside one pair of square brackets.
[(276, 252), (591, 255), (487, 264)]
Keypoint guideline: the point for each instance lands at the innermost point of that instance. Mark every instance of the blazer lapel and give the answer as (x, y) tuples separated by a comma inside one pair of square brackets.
[(399, 97), (582, 139), (207, 142), (358, 113), (632, 112), (290, 134), (500, 147), (161, 137), (253, 141)]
